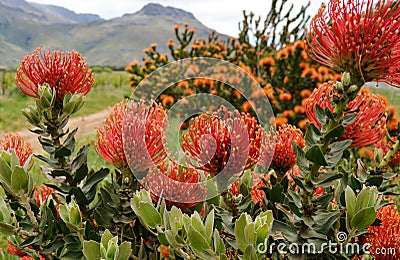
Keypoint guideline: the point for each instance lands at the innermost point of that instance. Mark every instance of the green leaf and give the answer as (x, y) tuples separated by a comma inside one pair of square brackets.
[(313, 135), (7, 229), (197, 241), (149, 214), (349, 119), (105, 237), (19, 180), (320, 114), (219, 246), (91, 250), (366, 198), (124, 251), (363, 218), (209, 226), (301, 159), (315, 155), (240, 226), (171, 238), (336, 150), (350, 198), (326, 178), (250, 253), (336, 132), (5, 171)]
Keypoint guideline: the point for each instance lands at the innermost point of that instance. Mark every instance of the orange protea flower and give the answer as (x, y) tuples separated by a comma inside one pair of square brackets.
[(360, 37), (385, 239), (63, 71), (165, 252), (223, 140), (370, 125), (178, 185), (14, 143), (283, 158), (144, 135), (109, 142)]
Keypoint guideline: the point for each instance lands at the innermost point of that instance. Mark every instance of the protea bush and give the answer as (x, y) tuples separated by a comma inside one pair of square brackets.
[(316, 180)]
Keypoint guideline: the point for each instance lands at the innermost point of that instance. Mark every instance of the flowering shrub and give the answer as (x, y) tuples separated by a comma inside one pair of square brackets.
[(238, 188)]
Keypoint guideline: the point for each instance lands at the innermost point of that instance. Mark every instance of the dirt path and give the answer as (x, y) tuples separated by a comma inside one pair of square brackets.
[(86, 125)]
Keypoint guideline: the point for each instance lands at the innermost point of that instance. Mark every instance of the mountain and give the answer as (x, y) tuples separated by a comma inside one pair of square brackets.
[(116, 42)]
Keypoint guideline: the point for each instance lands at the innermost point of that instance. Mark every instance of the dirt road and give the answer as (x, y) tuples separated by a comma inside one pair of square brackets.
[(86, 125)]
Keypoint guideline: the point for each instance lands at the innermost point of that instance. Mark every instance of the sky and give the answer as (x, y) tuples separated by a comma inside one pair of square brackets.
[(220, 15)]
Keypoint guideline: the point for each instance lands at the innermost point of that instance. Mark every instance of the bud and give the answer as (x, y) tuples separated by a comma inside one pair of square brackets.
[(71, 215), (339, 87), (346, 79), (47, 96), (352, 88), (378, 155)]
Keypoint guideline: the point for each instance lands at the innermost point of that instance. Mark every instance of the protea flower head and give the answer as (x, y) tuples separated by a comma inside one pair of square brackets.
[(143, 133), (361, 37), (385, 239), (223, 141), (14, 143), (63, 71), (280, 141), (179, 185), (121, 138), (369, 126), (109, 142), (41, 193)]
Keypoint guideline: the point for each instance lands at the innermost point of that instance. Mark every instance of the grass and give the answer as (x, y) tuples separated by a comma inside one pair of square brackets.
[(110, 88), (392, 94)]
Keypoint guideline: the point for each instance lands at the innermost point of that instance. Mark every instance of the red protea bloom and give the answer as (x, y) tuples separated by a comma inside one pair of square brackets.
[(109, 142), (63, 71), (139, 126), (359, 37), (385, 239), (13, 142), (283, 158), (370, 125), (386, 146), (143, 135), (178, 185), (223, 141)]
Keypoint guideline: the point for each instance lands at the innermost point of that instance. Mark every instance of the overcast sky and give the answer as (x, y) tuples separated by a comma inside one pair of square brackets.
[(221, 15)]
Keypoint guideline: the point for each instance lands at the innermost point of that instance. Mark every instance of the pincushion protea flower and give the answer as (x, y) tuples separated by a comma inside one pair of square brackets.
[(141, 127), (13, 142), (143, 133), (385, 239), (280, 142), (369, 126), (109, 142), (223, 141), (63, 71), (178, 185), (359, 37)]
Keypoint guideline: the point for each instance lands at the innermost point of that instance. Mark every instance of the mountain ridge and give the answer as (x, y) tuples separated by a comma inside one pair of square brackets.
[(25, 26)]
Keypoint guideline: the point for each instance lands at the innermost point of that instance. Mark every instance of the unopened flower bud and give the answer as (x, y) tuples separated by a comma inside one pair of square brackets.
[(346, 79)]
